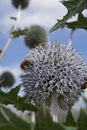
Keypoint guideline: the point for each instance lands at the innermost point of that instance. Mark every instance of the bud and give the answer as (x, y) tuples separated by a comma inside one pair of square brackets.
[(22, 3), (35, 35), (7, 79)]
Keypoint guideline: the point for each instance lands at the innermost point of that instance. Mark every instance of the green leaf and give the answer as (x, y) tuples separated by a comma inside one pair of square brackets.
[(81, 23), (70, 120), (43, 116), (13, 98), (14, 18), (8, 128), (71, 128), (19, 32), (44, 121), (3, 121), (82, 121), (11, 120), (74, 7)]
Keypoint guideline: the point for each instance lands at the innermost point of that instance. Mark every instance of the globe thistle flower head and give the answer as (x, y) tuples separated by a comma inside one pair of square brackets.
[(55, 68), (34, 36), (23, 3), (7, 79)]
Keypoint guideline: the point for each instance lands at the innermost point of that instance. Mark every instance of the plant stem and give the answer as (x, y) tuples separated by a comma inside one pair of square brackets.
[(54, 106), (11, 36), (70, 39)]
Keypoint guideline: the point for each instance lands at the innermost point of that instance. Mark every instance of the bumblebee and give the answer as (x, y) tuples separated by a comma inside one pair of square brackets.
[(41, 45), (84, 86), (25, 64)]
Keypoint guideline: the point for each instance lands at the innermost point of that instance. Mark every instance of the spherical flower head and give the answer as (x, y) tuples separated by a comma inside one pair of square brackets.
[(23, 3), (7, 79), (55, 68), (34, 36)]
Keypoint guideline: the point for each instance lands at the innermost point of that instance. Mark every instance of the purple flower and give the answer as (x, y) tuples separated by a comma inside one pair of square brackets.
[(56, 68)]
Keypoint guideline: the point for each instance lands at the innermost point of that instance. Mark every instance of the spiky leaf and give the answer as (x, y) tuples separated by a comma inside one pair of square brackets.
[(70, 120), (74, 7), (11, 121), (19, 32), (13, 98), (82, 121), (81, 23)]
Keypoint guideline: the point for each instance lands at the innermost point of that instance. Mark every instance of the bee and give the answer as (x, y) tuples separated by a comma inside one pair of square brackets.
[(84, 86), (41, 44), (25, 64)]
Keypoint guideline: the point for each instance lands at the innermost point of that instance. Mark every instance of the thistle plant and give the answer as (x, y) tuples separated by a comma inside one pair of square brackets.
[(55, 76), (23, 3), (35, 35), (7, 79)]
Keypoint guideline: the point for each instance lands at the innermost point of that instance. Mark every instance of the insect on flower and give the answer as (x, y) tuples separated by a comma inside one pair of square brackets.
[(84, 86), (25, 64), (41, 44)]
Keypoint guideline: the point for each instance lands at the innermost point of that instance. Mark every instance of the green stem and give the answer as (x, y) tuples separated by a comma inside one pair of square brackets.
[(11, 36), (71, 36)]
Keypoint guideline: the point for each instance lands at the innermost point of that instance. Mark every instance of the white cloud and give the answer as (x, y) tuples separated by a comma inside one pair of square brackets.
[(85, 12), (15, 70), (43, 13), (39, 12)]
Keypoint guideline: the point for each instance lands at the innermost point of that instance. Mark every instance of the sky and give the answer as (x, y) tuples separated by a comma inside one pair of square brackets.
[(44, 13), (41, 13)]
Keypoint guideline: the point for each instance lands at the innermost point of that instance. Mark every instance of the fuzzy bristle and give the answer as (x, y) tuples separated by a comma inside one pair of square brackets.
[(54, 67)]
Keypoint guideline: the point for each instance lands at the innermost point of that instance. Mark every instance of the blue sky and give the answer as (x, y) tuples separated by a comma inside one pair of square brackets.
[(41, 13)]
